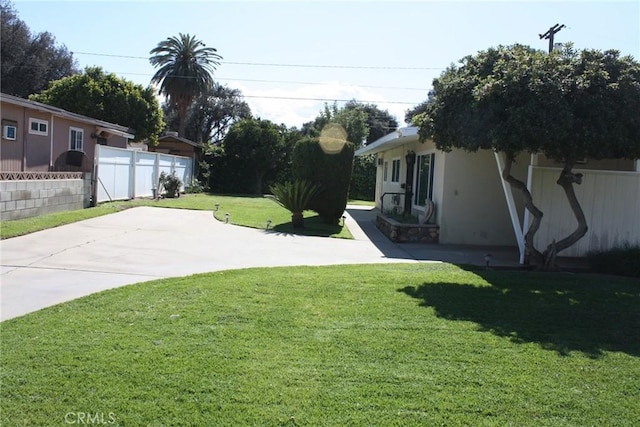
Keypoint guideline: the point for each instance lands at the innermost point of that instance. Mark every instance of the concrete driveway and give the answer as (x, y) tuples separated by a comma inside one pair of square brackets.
[(146, 243)]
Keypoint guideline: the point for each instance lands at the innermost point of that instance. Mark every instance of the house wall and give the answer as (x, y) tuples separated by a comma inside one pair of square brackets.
[(37, 153), (12, 152), (473, 208), (470, 205), (592, 164), (610, 201), (389, 186)]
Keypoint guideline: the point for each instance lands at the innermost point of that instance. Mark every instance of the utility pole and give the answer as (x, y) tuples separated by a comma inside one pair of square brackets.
[(550, 33)]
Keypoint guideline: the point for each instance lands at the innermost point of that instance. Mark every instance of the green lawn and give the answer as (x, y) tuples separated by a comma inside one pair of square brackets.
[(244, 210), (383, 345)]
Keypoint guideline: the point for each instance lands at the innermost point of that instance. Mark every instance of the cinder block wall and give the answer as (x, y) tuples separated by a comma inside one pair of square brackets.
[(24, 199)]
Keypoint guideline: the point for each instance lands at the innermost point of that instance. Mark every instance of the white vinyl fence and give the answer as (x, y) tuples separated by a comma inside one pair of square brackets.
[(126, 174), (611, 204)]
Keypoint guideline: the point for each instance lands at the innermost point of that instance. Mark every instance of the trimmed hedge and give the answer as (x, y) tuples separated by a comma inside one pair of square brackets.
[(622, 261), (330, 172)]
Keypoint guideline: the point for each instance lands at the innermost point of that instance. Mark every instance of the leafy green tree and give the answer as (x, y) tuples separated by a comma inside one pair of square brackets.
[(210, 115), (352, 120), (378, 122), (107, 97), (185, 71), (29, 61), (254, 146), (568, 105)]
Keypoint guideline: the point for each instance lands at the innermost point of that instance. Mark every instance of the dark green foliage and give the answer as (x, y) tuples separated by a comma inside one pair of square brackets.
[(210, 115), (622, 261), (330, 172), (567, 104), (29, 61), (363, 178), (254, 147), (107, 97)]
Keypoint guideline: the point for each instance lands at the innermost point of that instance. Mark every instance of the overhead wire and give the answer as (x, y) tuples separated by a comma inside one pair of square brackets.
[(276, 64)]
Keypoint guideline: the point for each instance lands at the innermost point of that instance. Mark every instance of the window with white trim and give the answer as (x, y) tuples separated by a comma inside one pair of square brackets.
[(76, 137), (9, 132), (395, 170), (38, 127)]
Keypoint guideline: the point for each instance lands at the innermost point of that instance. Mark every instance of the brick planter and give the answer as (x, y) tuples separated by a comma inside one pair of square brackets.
[(407, 233)]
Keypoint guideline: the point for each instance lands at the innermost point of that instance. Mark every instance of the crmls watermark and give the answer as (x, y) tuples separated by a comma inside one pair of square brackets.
[(90, 418)]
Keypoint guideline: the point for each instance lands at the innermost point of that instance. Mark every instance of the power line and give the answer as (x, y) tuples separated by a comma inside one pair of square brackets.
[(293, 98), (269, 64), (288, 82)]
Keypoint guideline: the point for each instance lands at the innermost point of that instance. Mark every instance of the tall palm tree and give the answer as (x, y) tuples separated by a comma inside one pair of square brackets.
[(186, 68)]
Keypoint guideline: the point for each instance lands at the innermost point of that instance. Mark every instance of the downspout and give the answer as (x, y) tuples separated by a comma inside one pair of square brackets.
[(25, 125), (51, 148), (513, 212)]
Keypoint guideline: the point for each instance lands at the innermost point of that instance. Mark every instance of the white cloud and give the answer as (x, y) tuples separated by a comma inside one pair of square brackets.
[(298, 105)]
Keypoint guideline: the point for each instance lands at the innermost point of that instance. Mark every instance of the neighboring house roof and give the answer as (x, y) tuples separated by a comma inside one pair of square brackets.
[(101, 125), (387, 142), (173, 138)]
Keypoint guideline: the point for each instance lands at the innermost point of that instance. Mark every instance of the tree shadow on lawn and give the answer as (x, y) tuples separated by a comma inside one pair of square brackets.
[(561, 312)]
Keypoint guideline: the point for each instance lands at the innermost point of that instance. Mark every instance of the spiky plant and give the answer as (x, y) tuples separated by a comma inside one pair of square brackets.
[(295, 197)]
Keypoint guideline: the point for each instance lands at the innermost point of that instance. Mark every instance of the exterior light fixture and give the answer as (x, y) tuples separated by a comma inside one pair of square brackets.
[(226, 217), (487, 259), (217, 207), (268, 223), (343, 219)]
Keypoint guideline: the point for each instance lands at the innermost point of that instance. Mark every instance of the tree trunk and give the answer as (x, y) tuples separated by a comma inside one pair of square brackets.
[(297, 219), (182, 118), (566, 180), (258, 184), (535, 256)]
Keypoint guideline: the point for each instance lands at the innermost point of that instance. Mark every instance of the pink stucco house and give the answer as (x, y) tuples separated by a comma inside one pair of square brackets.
[(36, 135)]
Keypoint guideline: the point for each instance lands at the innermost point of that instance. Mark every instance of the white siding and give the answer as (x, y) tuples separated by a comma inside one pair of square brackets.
[(611, 204)]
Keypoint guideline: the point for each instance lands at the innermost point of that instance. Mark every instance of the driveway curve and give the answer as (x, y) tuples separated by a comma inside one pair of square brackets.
[(145, 243)]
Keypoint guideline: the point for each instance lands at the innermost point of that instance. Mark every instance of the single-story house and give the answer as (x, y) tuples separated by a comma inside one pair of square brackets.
[(171, 143), (472, 205), (41, 138)]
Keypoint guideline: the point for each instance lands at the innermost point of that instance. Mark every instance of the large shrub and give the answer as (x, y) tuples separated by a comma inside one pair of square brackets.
[(623, 261), (331, 172)]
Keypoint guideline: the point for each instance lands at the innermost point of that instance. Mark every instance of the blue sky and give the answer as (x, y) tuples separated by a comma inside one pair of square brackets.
[(386, 53)]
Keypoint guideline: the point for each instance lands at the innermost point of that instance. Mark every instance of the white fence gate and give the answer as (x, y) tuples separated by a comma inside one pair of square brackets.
[(126, 174)]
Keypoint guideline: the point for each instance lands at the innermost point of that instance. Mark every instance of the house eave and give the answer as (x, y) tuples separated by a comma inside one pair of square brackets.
[(394, 139), (112, 128), (116, 132)]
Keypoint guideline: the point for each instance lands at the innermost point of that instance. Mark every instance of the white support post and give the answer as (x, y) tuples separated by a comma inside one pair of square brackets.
[(638, 165), (513, 212), (133, 174)]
